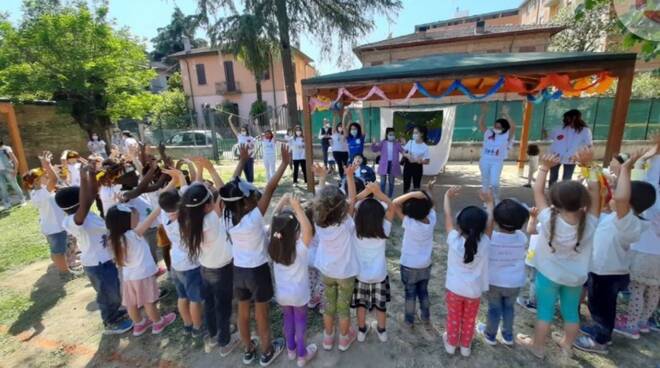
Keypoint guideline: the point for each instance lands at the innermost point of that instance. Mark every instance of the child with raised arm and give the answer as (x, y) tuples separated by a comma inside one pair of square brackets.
[(563, 252), (291, 234), (373, 224), (91, 234), (467, 268)]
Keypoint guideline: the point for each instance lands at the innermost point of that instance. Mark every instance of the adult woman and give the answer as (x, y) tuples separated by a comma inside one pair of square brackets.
[(388, 165), (495, 149), (245, 139), (340, 148), (96, 146), (566, 141), (416, 155), (355, 140), (325, 135), (297, 145)]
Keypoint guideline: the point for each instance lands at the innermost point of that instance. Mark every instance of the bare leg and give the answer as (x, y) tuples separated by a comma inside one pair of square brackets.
[(184, 310), (381, 317), (541, 331), (134, 313), (196, 314), (329, 324), (59, 260), (344, 325), (570, 334), (152, 312), (361, 317), (244, 323), (263, 325)]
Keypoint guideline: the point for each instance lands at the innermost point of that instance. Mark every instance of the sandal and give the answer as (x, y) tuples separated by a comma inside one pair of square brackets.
[(528, 343)]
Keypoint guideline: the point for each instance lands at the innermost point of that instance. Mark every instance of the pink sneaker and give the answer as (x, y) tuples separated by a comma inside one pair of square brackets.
[(328, 341), (161, 271), (291, 354), (140, 328), (165, 321), (311, 353), (345, 342)]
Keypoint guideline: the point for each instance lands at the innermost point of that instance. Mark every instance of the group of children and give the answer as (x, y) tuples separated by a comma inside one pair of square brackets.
[(218, 248)]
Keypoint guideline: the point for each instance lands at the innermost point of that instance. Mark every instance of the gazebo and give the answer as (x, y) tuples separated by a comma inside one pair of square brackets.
[(535, 75)]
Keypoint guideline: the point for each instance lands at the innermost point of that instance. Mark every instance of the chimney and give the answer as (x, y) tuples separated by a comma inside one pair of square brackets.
[(186, 43), (479, 27)]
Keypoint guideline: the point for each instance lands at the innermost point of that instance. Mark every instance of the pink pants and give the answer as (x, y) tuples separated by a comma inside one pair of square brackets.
[(461, 316)]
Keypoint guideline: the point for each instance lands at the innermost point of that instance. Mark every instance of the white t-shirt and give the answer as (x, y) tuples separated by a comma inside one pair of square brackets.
[(390, 150), (506, 261), (50, 214), (144, 209), (96, 147), (138, 264), (466, 279), (336, 256), (371, 255), (564, 266), (566, 141), (339, 143), (215, 250), (269, 148), (74, 174), (612, 242), (130, 146), (297, 145), (417, 244), (178, 253), (312, 249), (292, 281), (109, 196), (649, 242), (495, 146), (531, 250), (417, 150), (92, 237), (249, 241), (248, 141)]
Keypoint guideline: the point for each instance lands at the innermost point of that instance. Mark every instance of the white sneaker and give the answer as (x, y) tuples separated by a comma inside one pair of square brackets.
[(382, 336), (466, 351), (361, 336), (311, 353), (448, 348)]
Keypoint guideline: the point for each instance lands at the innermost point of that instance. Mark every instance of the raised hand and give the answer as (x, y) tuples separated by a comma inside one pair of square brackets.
[(534, 213), (320, 170), (294, 201), (372, 187), (453, 191), (243, 152), (350, 169), (549, 160), (285, 153), (483, 107), (584, 156), (505, 110), (630, 162)]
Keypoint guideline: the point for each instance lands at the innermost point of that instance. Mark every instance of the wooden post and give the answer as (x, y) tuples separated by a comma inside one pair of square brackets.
[(309, 141), (15, 136), (619, 112), (528, 108)]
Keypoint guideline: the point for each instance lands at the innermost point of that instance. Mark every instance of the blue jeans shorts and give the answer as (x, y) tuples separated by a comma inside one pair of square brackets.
[(188, 284), (58, 243)]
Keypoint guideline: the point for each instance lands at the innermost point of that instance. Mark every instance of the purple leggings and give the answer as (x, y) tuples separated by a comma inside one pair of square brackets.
[(295, 325)]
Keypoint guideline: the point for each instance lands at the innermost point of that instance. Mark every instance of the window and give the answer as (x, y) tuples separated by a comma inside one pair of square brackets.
[(266, 75), (229, 76), (200, 139), (201, 74)]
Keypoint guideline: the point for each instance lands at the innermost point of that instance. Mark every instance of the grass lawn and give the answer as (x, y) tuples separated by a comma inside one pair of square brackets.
[(21, 241)]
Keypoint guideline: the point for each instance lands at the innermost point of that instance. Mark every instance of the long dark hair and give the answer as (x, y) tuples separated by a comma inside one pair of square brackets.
[(387, 132), (358, 127), (576, 123), (472, 222), (235, 210), (505, 127), (369, 219), (417, 208), (298, 128), (118, 223), (570, 196), (283, 236), (192, 211)]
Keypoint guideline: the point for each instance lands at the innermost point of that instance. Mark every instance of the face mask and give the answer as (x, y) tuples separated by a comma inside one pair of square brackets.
[(340, 130), (95, 138), (358, 161), (390, 137), (298, 134), (415, 136), (269, 136), (243, 134), (497, 131), (354, 132)]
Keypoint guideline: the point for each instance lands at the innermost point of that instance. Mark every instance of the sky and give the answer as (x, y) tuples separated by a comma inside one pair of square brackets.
[(144, 17)]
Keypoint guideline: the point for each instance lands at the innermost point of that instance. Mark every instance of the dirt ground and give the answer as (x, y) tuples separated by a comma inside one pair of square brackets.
[(62, 327)]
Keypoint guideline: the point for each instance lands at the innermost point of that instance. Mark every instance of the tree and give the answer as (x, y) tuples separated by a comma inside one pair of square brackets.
[(73, 55), (336, 24), (589, 34), (170, 38)]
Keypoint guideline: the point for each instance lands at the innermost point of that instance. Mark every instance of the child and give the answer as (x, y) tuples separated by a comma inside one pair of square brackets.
[(138, 269), (203, 237), (297, 144), (290, 235), (532, 163), (336, 259), (506, 269), (91, 234), (364, 171), (244, 217), (315, 283), (418, 216), (331, 161), (71, 161), (610, 262), (562, 254), (269, 150), (108, 190), (41, 184), (529, 303), (373, 223), (467, 268)]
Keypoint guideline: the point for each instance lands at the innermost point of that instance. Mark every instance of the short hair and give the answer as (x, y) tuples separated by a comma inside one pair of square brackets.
[(642, 196), (510, 214), (68, 199), (417, 208), (533, 150), (169, 200)]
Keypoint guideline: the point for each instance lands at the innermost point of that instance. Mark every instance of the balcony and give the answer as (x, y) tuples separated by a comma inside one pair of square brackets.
[(224, 88)]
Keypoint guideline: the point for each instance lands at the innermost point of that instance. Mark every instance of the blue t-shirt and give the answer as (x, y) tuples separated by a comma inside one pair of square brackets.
[(355, 146)]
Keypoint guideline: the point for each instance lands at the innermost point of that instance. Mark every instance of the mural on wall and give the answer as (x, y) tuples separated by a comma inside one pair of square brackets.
[(405, 121)]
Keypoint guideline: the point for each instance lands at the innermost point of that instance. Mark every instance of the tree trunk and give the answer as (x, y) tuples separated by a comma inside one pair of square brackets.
[(272, 79), (258, 85), (287, 62), (262, 116)]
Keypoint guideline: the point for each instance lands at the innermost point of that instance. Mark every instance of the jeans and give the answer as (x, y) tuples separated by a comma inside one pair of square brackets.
[(8, 180), (412, 172), (295, 325), (387, 179), (491, 171), (341, 158), (603, 291), (416, 282), (567, 174), (218, 288), (299, 164), (248, 169), (500, 307), (325, 144), (105, 281)]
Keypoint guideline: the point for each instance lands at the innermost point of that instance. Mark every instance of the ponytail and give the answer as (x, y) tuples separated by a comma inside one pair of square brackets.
[(553, 221), (582, 224), (471, 245), (472, 222)]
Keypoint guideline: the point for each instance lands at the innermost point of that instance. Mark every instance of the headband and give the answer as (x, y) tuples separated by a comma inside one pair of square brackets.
[(71, 207), (206, 198), (123, 208), (246, 190)]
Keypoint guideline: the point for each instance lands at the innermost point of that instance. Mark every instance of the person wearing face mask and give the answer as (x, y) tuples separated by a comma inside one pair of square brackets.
[(340, 149), (363, 172), (566, 141), (355, 140), (326, 137), (269, 148), (496, 144), (244, 138), (416, 155), (297, 144), (388, 165), (96, 146)]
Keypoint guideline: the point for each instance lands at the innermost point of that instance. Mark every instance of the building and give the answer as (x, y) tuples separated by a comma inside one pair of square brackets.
[(212, 77), (163, 71)]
